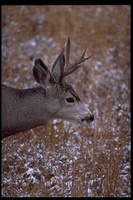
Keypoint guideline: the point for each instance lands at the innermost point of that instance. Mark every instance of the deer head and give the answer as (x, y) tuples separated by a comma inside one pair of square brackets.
[(61, 100)]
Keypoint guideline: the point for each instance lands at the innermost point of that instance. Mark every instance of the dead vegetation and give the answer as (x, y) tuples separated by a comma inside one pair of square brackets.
[(62, 159)]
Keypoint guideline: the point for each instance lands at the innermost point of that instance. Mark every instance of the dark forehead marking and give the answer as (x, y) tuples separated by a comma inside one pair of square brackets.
[(73, 92), (75, 95)]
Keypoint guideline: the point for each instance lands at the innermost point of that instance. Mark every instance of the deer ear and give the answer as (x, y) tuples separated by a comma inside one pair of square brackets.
[(41, 73), (58, 67)]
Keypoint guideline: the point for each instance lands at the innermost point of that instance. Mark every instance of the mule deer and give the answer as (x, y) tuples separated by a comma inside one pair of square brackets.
[(23, 109)]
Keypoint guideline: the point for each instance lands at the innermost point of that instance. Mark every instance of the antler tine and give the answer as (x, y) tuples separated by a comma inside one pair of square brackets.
[(82, 59), (71, 67), (61, 60), (67, 53)]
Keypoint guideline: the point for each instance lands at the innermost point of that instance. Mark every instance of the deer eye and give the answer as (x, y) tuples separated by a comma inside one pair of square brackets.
[(70, 100)]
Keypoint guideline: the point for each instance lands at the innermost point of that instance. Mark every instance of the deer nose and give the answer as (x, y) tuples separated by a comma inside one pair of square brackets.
[(88, 119), (92, 118)]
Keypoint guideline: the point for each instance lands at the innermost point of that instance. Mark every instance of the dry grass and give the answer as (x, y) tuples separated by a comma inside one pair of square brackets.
[(64, 159)]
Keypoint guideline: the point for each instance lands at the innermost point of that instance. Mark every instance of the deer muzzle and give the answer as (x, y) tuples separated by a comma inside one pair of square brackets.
[(87, 119)]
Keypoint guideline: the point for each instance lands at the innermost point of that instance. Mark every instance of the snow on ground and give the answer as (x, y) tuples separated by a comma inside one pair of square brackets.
[(64, 159)]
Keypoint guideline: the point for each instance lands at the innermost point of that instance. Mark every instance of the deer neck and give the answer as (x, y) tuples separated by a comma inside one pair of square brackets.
[(24, 109)]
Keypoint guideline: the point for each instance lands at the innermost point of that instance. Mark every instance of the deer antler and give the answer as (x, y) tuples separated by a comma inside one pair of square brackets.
[(71, 67)]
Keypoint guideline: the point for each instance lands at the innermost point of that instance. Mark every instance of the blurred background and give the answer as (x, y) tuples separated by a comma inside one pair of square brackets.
[(62, 159)]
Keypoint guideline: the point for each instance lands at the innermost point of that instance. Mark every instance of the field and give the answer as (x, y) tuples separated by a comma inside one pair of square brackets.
[(62, 159)]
